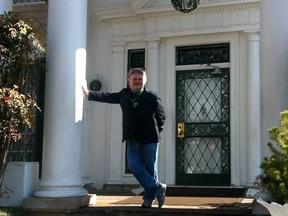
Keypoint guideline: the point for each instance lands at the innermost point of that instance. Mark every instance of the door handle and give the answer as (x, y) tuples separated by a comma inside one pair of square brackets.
[(180, 130)]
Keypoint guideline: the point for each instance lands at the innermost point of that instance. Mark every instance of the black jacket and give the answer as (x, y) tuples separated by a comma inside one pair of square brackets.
[(144, 122)]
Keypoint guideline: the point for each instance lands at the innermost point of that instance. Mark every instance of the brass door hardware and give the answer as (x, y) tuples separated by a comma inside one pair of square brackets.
[(180, 130)]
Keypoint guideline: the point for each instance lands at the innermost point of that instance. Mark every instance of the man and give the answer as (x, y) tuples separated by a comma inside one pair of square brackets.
[(143, 120)]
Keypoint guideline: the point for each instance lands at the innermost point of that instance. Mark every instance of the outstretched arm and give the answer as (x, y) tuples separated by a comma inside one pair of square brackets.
[(106, 97)]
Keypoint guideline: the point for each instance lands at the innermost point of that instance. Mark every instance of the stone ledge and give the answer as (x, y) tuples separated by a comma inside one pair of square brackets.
[(34, 203)]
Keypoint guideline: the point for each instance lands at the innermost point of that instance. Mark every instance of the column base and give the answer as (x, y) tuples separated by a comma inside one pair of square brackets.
[(31, 203), (58, 188)]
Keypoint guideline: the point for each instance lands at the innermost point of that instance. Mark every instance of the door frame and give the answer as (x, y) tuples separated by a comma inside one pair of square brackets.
[(169, 87)]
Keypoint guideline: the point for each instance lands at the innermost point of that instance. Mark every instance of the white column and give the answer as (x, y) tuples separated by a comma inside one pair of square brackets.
[(274, 65), (5, 6), (116, 157), (66, 68), (153, 65), (253, 140)]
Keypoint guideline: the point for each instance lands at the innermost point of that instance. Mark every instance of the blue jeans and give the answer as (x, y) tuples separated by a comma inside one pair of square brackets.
[(143, 163)]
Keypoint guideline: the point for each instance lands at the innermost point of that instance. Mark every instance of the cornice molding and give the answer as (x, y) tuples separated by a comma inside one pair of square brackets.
[(110, 14), (140, 11)]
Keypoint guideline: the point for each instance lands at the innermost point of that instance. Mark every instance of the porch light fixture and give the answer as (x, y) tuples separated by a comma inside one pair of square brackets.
[(185, 6), (216, 71), (95, 85)]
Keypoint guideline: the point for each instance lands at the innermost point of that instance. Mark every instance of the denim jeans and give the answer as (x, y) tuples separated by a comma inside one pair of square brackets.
[(143, 163)]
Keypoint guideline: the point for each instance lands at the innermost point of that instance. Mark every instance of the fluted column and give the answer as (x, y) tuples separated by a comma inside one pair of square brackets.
[(66, 68), (6, 5), (153, 65), (253, 108)]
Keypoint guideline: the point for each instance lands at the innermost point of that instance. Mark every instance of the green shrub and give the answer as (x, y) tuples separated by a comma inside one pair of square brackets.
[(11, 212), (274, 178)]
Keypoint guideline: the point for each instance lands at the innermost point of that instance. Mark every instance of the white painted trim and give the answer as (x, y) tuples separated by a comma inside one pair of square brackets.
[(170, 102), (134, 13)]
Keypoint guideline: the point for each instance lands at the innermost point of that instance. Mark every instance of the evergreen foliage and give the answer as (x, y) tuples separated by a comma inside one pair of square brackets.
[(274, 179)]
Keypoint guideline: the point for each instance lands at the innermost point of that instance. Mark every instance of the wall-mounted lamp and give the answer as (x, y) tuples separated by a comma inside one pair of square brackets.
[(185, 6), (216, 71), (95, 85)]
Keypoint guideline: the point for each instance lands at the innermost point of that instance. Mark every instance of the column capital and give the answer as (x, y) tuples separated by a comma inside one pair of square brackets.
[(118, 47), (118, 43), (152, 39), (252, 31), (253, 34)]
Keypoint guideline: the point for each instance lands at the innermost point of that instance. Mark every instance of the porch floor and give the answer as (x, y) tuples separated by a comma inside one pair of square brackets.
[(173, 206), (219, 203)]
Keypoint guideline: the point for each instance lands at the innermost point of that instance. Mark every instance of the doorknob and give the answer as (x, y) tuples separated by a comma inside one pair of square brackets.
[(180, 130)]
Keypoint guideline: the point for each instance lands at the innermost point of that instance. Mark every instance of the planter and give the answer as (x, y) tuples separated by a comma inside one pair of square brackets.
[(20, 181), (274, 209)]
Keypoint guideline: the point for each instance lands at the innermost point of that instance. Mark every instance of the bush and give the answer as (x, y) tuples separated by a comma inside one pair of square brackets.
[(11, 212), (19, 48), (16, 112), (274, 179), (19, 52)]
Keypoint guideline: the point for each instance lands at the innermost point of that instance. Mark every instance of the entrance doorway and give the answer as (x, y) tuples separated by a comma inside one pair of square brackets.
[(203, 116)]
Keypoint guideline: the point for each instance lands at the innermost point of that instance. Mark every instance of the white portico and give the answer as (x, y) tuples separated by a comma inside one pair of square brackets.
[(87, 142), (159, 29)]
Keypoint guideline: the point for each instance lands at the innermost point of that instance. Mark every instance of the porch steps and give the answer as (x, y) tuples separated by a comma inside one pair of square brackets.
[(181, 201), (132, 210), (206, 191), (186, 191)]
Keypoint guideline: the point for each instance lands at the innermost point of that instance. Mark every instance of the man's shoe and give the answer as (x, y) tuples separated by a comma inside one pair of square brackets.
[(160, 195), (147, 203)]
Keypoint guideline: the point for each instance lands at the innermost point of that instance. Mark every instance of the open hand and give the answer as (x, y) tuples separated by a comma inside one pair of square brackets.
[(85, 88)]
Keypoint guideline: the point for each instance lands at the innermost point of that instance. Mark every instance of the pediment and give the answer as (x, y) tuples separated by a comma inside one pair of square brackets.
[(139, 5), (134, 9)]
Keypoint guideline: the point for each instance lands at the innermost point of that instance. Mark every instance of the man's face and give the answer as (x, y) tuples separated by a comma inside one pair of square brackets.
[(136, 82)]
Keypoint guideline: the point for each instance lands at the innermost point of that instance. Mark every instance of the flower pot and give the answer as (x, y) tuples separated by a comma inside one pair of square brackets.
[(274, 209), (20, 181)]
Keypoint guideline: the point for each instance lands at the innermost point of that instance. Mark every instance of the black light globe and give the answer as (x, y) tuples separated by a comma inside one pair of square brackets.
[(95, 85), (185, 6)]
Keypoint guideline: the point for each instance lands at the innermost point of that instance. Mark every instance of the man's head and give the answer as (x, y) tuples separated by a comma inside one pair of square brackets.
[(137, 79)]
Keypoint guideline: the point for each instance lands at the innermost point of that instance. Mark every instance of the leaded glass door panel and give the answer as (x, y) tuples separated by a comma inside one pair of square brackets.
[(203, 127)]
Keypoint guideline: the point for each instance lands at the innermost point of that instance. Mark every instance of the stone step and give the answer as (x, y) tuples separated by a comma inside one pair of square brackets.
[(206, 191), (179, 201), (119, 200), (137, 211), (187, 191)]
